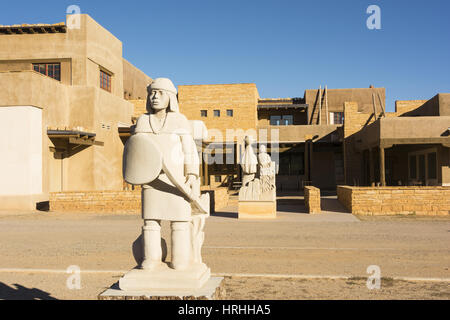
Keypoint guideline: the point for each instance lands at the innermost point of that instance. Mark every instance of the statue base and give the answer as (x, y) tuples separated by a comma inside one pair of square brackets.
[(257, 210), (162, 277), (213, 289)]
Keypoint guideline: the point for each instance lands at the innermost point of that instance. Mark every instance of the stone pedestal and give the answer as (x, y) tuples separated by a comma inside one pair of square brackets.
[(163, 277), (213, 289), (257, 210)]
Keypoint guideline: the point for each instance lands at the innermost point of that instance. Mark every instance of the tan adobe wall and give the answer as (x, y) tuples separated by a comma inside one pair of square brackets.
[(241, 98), (354, 121), (94, 109), (403, 106), (395, 200), (135, 82), (312, 199), (337, 98), (140, 107), (82, 53)]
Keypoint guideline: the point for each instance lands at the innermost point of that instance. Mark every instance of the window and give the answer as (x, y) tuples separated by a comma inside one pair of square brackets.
[(52, 70), (216, 113), (275, 120), (229, 112), (284, 120), (203, 113), (105, 81), (292, 163), (423, 167), (336, 118), (218, 178)]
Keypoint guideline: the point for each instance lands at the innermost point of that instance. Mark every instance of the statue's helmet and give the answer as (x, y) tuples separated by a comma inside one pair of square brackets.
[(166, 85)]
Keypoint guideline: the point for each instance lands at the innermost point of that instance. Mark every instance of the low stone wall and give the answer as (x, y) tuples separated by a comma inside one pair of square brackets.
[(96, 201), (312, 199), (395, 200), (116, 201)]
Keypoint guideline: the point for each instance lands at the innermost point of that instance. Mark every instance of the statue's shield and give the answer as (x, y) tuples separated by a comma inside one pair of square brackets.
[(142, 160)]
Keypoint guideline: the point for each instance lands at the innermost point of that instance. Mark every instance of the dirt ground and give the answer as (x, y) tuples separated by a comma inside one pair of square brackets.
[(295, 256)]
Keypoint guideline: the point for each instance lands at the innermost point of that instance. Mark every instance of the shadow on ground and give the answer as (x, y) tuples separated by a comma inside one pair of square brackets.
[(332, 204), (291, 205), (18, 292), (225, 214)]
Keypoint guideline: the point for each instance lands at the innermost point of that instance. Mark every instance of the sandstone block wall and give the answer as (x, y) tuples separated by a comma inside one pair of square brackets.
[(116, 201), (96, 201), (395, 200), (312, 199), (241, 98)]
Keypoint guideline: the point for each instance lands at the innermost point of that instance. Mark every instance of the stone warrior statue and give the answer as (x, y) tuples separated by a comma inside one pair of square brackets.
[(161, 155), (258, 182)]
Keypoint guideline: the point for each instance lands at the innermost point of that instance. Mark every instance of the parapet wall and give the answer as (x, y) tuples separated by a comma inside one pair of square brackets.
[(395, 200), (312, 199)]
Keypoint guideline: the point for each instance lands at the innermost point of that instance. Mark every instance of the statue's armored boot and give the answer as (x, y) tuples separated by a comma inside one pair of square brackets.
[(181, 245), (151, 236)]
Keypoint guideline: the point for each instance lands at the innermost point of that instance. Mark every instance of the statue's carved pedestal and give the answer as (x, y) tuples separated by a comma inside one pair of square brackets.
[(212, 289), (163, 278), (257, 196), (257, 210)]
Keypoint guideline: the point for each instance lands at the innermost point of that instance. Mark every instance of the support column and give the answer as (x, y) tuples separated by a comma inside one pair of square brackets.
[(306, 156), (310, 153), (205, 169), (371, 168), (382, 168)]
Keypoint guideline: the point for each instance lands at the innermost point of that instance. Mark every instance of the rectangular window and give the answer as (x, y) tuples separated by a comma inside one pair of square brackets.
[(284, 120), (275, 120), (229, 112), (52, 70), (216, 113), (217, 178), (336, 118), (203, 113), (105, 81), (287, 120)]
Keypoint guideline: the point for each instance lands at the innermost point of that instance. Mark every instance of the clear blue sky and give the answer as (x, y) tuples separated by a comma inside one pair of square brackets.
[(284, 47)]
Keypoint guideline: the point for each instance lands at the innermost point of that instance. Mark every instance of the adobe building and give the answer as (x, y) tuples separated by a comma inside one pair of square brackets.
[(307, 132), (64, 96), (70, 99)]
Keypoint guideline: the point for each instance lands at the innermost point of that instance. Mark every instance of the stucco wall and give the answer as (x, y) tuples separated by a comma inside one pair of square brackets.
[(21, 141)]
